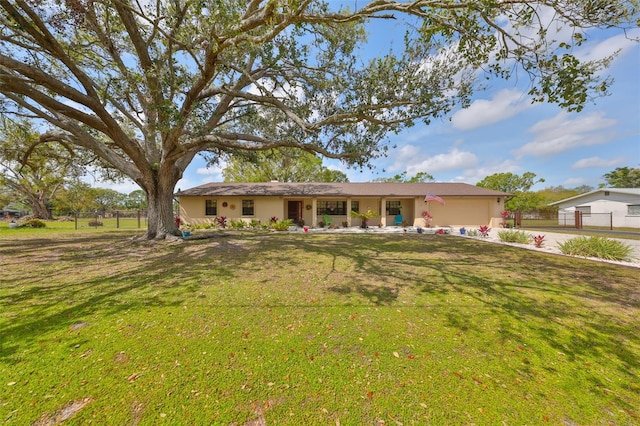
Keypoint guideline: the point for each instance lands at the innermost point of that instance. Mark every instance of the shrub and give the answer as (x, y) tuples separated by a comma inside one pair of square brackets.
[(599, 247), (37, 223), (282, 225), (221, 221), (513, 236), (484, 231), (538, 240), (237, 224)]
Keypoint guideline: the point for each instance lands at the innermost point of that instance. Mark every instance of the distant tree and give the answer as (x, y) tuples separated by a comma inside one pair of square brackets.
[(282, 165), (76, 197), (5, 196), (136, 200), (522, 198), (403, 178), (33, 173), (557, 193), (622, 177), (108, 199)]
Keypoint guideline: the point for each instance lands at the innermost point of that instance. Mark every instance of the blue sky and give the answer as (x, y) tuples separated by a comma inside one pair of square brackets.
[(502, 131)]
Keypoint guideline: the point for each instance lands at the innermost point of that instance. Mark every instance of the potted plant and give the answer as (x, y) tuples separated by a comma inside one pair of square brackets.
[(186, 231), (463, 231), (364, 217)]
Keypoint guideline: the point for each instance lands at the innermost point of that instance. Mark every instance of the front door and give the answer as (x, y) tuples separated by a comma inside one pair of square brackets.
[(294, 211)]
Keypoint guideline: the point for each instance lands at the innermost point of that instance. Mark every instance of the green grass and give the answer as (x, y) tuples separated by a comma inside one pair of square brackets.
[(312, 329)]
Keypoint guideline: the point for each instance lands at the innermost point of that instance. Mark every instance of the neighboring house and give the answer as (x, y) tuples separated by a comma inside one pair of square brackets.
[(308, 203), (606, 207), (9, 212)]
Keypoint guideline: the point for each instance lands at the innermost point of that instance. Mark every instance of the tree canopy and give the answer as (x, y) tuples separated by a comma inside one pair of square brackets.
[(522, 199), (148, 85), (282, 165), (623, 177), (403, 178), (33, 179)]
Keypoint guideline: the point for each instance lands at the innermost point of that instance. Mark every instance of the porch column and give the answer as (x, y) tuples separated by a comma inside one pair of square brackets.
[(314, 212), (349, 211), (383, 211)]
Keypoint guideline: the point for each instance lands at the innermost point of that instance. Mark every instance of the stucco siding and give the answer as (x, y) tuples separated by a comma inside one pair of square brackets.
[(464, 211), (458, 211)]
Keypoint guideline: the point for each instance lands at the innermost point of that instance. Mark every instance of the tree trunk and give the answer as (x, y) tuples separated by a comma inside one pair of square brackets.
[(39, 206), (160, 215)]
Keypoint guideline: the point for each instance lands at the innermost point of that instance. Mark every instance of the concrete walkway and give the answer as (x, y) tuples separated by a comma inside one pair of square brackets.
[(553, 238)]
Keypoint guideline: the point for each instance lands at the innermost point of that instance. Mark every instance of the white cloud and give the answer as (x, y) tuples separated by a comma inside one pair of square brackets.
[(412, 161), (564, 132), (597, 162), (505, 104), (210, 173), (475, 175), (604, 48)]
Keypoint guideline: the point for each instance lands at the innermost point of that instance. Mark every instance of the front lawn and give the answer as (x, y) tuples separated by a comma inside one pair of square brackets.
[(270, 328)]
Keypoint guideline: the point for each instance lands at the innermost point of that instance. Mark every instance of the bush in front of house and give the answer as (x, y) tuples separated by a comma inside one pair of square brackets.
[(600, 247), (237, 224), (282, 225), (513, 236)]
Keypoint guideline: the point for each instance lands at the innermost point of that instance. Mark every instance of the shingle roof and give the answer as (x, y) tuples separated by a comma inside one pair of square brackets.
[(626, 191), (360, 189)]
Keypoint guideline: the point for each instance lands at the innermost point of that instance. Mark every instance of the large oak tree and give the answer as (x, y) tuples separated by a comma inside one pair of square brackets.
[(148, 84), (36, 178)]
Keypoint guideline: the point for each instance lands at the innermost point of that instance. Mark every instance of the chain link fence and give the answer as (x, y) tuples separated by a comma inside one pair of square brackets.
[(553, 218)]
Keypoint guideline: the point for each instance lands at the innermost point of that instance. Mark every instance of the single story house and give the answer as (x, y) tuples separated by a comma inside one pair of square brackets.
[(315, 204), (606, 207)]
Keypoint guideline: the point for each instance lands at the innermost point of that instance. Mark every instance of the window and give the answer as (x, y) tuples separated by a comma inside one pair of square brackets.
[(332, 207), (633, 209), (210, 207), (607, 193), (355, 206), (247, 208), (394, 207), (586, 210)]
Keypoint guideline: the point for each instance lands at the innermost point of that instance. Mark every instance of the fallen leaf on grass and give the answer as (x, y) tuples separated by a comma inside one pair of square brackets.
[(63, 414)]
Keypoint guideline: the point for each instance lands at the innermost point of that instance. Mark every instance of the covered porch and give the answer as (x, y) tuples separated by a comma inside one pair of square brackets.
[(332, 211)]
